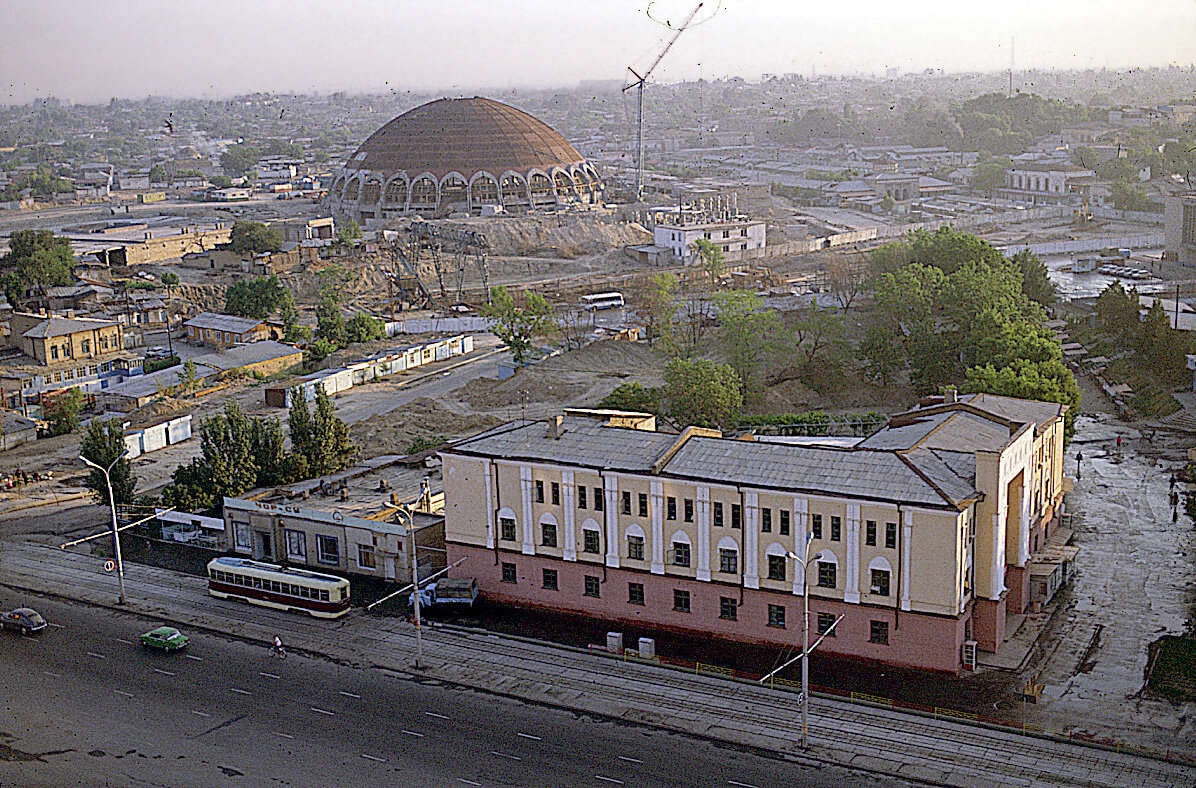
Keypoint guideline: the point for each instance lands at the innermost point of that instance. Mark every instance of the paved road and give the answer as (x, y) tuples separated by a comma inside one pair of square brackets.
[(84, 705)]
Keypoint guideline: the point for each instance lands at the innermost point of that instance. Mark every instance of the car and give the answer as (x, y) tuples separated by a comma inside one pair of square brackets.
[(165, 638), (25, 619)]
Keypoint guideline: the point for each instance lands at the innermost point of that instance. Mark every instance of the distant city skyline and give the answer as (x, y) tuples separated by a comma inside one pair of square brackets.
[(88, 52)]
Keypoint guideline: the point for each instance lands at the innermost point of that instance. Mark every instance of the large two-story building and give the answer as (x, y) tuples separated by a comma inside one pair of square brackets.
[(923, 535)]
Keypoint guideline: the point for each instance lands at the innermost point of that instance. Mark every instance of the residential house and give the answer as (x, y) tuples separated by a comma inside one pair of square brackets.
[(739, 239), (215, 329)]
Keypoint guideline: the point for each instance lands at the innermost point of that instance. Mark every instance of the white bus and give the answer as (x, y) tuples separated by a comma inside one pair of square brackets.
[(602, 301)]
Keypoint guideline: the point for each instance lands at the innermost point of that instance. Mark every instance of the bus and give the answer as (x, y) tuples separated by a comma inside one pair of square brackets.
[(602, 301), (271, 585)]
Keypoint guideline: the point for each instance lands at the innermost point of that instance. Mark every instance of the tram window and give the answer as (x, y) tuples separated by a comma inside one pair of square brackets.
[(257, 582), (294, 590), (238, 580), (344, 592), (323, 596), (274, 586)]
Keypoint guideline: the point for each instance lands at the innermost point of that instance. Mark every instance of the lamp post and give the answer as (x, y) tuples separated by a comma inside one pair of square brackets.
[(805, 632), (413, 562), (1079, 459), (120, 567)]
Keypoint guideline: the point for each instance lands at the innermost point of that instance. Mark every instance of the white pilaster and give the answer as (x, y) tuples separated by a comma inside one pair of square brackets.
[(852, 593), (656, 516), (611, 513), (702, 518), (751, 543), (569, 551), (800, 525), (529, 525), (907, 531), (491, 507)]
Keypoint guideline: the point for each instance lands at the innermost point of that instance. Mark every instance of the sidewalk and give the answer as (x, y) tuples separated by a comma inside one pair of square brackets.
[(936, 751)]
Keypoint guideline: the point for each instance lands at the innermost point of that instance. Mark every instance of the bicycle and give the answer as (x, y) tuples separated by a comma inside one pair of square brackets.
[(278, 651)]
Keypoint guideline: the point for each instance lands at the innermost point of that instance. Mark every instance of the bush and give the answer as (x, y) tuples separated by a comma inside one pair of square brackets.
[(161, 363)]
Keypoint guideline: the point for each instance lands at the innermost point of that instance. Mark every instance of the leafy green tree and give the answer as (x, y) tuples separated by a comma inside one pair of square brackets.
[(267, 445), (748, 334), (63, 411), (289, 316), (320, 437), (171, 280), (330, 323), (103, 443), (890, 258), (320, 349), (1117, 311), (221, 181), (988, 176), (1129, 197), (1048, 381), (363, 328), (1036, 283), (187, 376), (702, 393), (335, 281), (226, 465), (632, 397), (710, 258), (254, 237), (656, 306), (257, 297), (348, 232), (881, 354), (949, 249), (35, 259), (518, 326), (157, 174)]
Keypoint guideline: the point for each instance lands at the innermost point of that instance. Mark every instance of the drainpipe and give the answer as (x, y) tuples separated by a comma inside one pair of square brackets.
[(602, 540), (495, 507)]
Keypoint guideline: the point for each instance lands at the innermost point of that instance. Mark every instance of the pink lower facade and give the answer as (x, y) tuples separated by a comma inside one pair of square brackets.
[(915, 640)]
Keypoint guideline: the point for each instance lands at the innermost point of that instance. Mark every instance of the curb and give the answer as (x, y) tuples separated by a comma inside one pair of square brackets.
[(64, 499)]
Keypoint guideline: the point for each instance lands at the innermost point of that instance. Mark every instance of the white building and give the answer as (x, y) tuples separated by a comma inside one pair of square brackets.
[(1047, 182), (277, 169), (739, 239), (1179, 228)]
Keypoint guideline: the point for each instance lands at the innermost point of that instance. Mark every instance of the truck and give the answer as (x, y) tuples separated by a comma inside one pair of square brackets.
[(448, 591)]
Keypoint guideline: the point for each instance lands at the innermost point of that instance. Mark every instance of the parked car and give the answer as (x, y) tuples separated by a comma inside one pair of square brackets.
[(25, 619), (165, 638)]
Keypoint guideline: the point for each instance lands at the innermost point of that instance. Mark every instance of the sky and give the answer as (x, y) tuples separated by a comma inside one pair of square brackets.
[(91, 50)]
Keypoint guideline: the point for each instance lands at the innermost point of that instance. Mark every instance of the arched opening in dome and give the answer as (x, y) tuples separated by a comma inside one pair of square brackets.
[(454, 191), (423, 193), (565, 187), (396, 193), (540, 187), (514, 189), (371, 192), (338, 188), (352, 189), (484, 191)]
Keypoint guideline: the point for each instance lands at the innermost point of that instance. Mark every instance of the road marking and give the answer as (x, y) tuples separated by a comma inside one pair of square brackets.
[(122, 640), (122, 692), (505, 755), (608, 779), (269, 675), (241, 691), (200, 713), (350, 695), (29, 637), (93, 654), (437, 716), (284, 735), (323, 711), (411, 733), (52, 673), (629, 760), (467, 782), (56, 626), (373, 758), (529, 736), (741, 785), (164, 672), (192, 656)]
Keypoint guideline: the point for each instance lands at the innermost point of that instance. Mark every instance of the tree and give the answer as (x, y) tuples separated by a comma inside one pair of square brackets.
[(632, 397), (656, 306), (171, 280), (1129, 197), (256, 298), (988, 176), (221, 181), (320, 437), (518, 326), (157, 174), (702, 393), (949, 249), (348, 232), (104, 444), (1036, 283), (1117, 310), (36, 259), (187, 376), (710, 259), (335, 281), (226, 465), (289, 316), (847, 279), (254, 237), (1046, 381), (363, 328), (881, 354), (330, 323), (816, 331), (890, 258), (748, 333), (63, 411)]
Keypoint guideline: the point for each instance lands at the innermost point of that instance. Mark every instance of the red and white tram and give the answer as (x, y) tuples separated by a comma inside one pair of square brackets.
[(270, 585)]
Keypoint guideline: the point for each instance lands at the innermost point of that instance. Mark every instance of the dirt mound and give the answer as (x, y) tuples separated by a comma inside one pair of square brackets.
[(555, 236), (488, 393), (617, 358), (160, 409), (393, 432)]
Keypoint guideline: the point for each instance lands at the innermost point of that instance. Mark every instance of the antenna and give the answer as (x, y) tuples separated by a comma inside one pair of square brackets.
[(638, 83)]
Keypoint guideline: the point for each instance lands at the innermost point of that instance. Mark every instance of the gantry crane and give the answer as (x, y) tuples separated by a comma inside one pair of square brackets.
[(638, 83)]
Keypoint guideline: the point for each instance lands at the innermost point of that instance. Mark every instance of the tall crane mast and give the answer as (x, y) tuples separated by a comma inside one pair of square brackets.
[(638, 83)]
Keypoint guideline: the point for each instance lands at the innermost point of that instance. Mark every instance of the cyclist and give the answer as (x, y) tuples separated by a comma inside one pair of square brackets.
[(277, 649)]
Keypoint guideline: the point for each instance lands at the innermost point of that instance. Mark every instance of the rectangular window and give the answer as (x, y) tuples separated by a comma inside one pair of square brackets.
[(890, 535), (508, 573), (816, 525), (548, 534), (870, 533), (728, 561), (776, 567), (589, 538), (581, 496), (643, 504), (86, 347), (680, 554), (826, 575), (241, 534), (635, 593), (626, 502), (689, 510), (597, 499), (776, 616), (635, 548), (825, 620), (296, 545), (736, 516), (365, 557), (539, 491), (328, 550), (766, 520), (880, 582), (592, 586), (53, 351), (728, 608), (836, 528), (879, 633), (506, 526), (784, 522), (556, 494), (670, 509), (680, 600), (718, 515), (550, 579)]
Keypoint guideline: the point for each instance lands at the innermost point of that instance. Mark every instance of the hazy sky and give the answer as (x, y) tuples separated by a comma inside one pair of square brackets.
[(91, 50)]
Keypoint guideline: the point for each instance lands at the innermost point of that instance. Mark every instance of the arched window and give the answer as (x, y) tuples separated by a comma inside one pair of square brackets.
[(540, 186), (423, 192), (728, 556), (453, 189), (371, 192), (352, 189), (508, 525), (513, 189), (484, 191), (396, 192), (635, 543), (548, 534)]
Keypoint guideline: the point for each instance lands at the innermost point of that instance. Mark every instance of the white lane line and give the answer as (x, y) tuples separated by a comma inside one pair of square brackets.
[(122, 692), (411, 733), (629, 760), (284, 735), (192, 656), (608, 779), (437, 716), (350, 695), (529, 736), (56, 626), (505, 755), (741, 785), (373, 758), (52, 673), (241, 691), (200, 713), (269, 675), (323, 711), (93, 654), (122, 640), (164, 672), (467, 782), (30, 637)]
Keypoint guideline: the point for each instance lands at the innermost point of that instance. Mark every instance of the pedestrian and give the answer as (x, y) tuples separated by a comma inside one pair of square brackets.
[(1173, 480), (1174, 499), (1118, 444)]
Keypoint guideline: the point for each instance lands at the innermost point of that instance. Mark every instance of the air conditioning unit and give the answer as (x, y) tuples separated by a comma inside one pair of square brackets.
[(969, 654)]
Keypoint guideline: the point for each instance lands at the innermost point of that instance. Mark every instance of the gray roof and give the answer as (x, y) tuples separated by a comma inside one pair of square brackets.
[(242, 355), (230, 323), (148, 385), (62, 326), (585, 442), (1019, 410)]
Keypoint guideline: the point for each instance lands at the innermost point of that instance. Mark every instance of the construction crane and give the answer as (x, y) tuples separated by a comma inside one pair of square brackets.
[(638, 83)]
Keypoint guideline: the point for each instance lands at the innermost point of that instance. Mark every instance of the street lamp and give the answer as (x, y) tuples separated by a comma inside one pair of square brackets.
[(1079, 459), (413, 562), (120, 567), (805, 631)]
